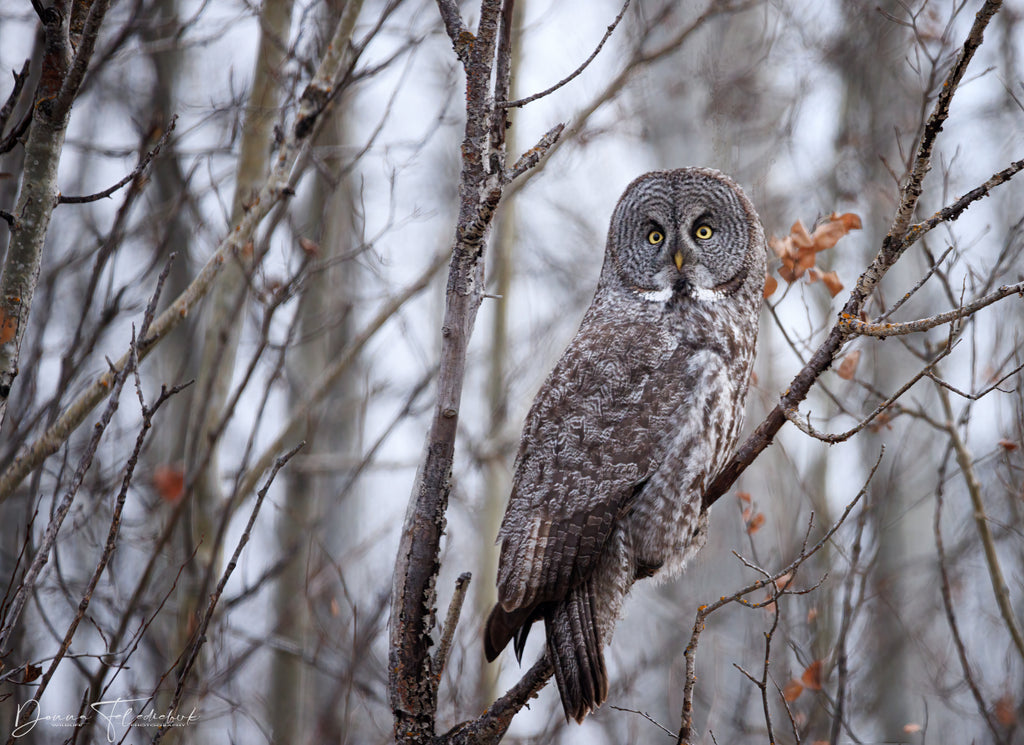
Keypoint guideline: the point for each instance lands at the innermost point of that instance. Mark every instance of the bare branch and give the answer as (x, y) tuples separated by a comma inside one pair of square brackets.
[(491, 726), (12, 100), (136, 172), (947, 604), (804, 425), (995, 571), (532, 157), (575, 73), (199, 637), (893, 246), (686, 717), (462, 38), (275, 189), (884, 330), (450, 622), (845, 624), (899, 237)]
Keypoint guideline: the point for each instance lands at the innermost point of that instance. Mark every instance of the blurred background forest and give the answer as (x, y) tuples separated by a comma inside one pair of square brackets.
[(143, 555)]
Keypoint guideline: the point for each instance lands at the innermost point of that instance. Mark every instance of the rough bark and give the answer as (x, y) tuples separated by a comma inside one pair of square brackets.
[(62, 73), (412, 682)]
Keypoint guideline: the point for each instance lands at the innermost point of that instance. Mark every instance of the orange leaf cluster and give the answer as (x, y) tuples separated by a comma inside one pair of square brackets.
[(798, 251)]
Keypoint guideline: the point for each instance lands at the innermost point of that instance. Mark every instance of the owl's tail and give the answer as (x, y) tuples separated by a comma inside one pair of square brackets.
[(574, 645)]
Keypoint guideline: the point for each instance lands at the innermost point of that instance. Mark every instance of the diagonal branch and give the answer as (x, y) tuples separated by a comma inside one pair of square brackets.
[(575, 73), (884, 330), (136, 173), (274, 190), (898, 240)]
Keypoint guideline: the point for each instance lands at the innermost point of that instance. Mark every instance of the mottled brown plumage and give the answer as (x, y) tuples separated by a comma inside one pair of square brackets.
[(637, 416)]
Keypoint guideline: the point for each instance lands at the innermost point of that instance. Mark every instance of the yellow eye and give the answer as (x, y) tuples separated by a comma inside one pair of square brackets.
[(703, 232), (655, 237)]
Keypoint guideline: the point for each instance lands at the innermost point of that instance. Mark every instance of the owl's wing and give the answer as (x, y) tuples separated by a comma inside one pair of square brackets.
[(593, 436)]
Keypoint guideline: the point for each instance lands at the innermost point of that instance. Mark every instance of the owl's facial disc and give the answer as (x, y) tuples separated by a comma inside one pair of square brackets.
[(681, 234)]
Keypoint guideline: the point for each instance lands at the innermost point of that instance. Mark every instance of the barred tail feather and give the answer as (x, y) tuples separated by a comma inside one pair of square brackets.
[(575, 649)]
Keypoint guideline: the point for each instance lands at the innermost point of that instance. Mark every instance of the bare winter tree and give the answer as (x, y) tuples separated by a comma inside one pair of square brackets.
[(229, 347)]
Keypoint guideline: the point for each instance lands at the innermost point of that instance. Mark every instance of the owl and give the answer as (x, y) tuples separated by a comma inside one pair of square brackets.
[(641, 411)]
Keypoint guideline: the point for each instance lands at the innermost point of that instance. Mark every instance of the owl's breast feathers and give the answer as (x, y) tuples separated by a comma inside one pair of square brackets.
[(599, 429)]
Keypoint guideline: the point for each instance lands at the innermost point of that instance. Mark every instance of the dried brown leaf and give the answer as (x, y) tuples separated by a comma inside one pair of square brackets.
[(911, 727), (1005, 711), (1008, 445), (848, 367), (832, 282), (784, 580), (812, 676), (169, 482), (797, 250), (849, 220), (755, 523), (792, 690), (770, 285), (743, 496)]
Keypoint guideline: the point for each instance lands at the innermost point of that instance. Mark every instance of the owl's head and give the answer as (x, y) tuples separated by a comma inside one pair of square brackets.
[(688, 233)]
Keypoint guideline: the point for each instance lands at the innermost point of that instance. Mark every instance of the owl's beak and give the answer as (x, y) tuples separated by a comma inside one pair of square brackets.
[(678, 259)]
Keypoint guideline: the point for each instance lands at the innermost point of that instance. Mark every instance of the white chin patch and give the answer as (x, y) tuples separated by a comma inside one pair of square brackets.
[(706, 295), (663, 295), (656, 296)]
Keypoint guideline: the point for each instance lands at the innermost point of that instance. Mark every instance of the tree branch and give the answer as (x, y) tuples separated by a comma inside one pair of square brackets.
[(995, 571), (885, 330), (275, 189), (136, 172), (896, 242), (575, 73)]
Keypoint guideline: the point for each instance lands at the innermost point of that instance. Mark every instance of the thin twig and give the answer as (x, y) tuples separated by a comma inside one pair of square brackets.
[(884, 330), (57, 519), (12, 99), (451, 620), (995, 571), (575, 73), (804, 425), (136, 172), (947, 604), (686, 726), (200, 633), (845, 624), (917, 286), (646, 716)]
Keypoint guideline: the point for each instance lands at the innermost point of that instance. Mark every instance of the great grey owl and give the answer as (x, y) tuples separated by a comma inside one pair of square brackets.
[(636, 418)]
